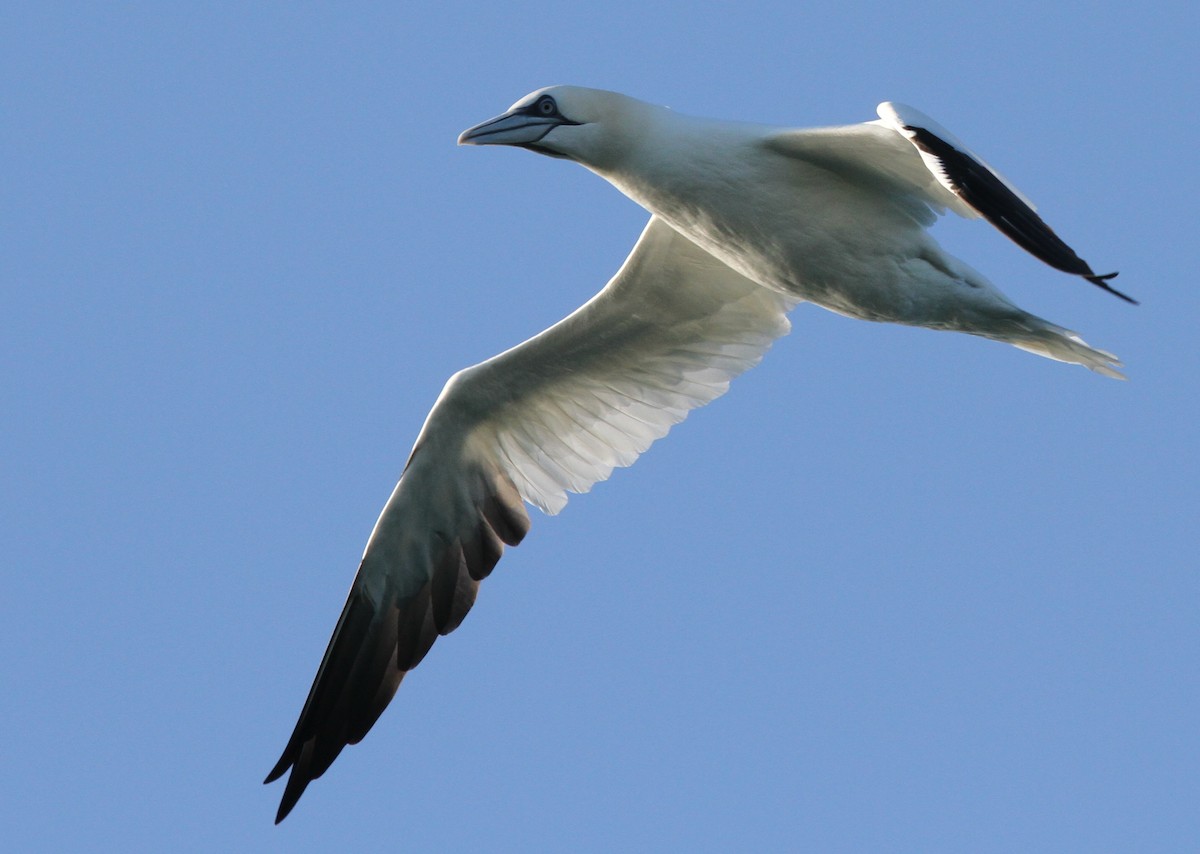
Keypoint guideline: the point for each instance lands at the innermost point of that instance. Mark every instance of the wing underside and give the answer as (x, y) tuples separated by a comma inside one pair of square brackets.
[(551, 416)]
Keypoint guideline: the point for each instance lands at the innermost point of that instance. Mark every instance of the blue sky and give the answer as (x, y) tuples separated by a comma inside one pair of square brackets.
[(897, 591)]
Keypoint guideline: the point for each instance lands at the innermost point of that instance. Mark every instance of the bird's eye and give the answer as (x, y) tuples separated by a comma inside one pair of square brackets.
[(546, 106)]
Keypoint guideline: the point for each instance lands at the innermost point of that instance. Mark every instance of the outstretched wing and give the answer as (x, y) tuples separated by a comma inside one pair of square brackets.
[(551, 416), (911, 151)]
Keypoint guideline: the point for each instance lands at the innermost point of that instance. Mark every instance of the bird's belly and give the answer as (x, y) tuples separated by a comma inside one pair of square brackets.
[(863, 276), (834, 244)]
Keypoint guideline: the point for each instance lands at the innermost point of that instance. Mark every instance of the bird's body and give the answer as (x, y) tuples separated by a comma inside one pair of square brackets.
[(796, 227), (746, 221), (832, 216)]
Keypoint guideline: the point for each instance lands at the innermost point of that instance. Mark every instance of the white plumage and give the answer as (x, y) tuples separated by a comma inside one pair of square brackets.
[(746, 221)]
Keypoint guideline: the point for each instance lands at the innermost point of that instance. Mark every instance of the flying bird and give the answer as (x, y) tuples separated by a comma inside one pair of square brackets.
[(746, 221)]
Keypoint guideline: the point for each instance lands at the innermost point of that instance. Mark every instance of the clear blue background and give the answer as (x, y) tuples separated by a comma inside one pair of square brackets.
[(897, 591)]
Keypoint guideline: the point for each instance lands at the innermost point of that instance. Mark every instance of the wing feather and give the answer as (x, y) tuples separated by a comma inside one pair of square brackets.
[(970, 178), (907, 151), (873, 154), (549, 417)]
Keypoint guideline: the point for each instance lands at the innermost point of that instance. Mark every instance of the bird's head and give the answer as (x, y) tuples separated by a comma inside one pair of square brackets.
[(590, 126)]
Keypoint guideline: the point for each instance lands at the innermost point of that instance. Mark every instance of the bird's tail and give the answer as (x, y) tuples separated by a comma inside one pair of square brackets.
[(1054, 342)]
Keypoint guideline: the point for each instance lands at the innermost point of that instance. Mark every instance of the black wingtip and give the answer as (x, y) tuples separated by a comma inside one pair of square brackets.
[(291, 796), (1102, 282), (278, 771)]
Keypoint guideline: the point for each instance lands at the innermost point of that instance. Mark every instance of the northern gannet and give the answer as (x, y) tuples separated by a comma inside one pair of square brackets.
[(746, 222)]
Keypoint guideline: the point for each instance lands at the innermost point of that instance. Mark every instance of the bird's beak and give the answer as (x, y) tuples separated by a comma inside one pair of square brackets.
[(515, 127)]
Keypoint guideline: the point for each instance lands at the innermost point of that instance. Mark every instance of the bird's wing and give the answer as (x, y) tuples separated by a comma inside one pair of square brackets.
[(912, 153), (553, 415), (875, 155)]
